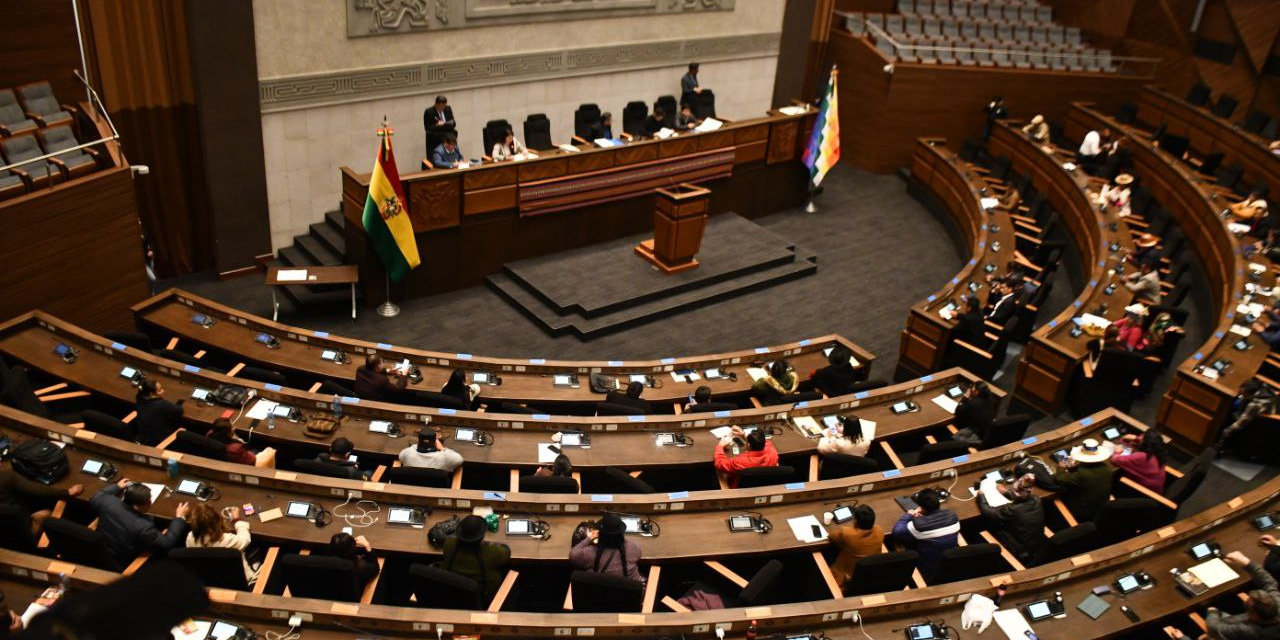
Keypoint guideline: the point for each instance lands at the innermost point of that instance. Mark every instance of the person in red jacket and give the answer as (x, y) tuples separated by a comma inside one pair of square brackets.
[(760, 453)]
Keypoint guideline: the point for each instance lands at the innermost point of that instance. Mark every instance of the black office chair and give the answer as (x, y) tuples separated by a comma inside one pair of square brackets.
[(1175, 144), (216, 568), (418, 477), (433, 399), (1127, 114), (1225, 107), (586, 118), (1182, 488), (706, 104), (1124, 518), (761, 588), (266, 376), (969, 561), (537, 132), (1006, 430), (180, 356), (15, 529), (712, 407), (1199, 95), (442, 589), (1269, 132), (869, 385), (970, 150), (765, 476), (882, 573), (633, 117), (316, 467), (331, 388), (1068, 542), (1000, 166), (620, 481), (840, 465), (18, 393), (1211, 163), (198, 445), (944, 450), (605, 593), (135, 339), (78, 544), (615, 409), (319, 577), (101, 423), (548, 484), (670, 108), (493, 133), (1256, 122)]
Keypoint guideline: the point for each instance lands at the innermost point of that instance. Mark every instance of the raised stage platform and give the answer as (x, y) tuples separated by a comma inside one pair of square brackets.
[(606, 287)]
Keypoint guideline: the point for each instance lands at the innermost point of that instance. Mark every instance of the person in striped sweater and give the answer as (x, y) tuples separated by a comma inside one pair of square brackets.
[(929, 529)]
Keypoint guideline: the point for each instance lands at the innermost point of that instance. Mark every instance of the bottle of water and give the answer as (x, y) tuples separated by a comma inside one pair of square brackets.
[(271, 420), (337, 407)]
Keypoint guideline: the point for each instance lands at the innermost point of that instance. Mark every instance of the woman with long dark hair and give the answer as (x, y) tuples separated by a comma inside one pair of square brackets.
[(469, 555), (1145, 460), (357, 550), (607, 550), (157, 418)]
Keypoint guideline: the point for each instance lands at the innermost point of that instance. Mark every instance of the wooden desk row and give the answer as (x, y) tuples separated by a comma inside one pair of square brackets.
[(1155, 552), (31, 339), (1101, 238), (1195, 406), (1209, 134), (523, 380), (989, 233)]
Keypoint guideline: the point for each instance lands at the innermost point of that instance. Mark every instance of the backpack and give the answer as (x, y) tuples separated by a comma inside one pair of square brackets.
[(601, 383), (40, 460), (230, 395), (443, 530)]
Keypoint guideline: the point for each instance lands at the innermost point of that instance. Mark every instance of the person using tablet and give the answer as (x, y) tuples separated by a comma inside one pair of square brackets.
[(1083, 480), (339, 455), (863, 539), (845, 438), (237, 450), (468, 555), (374, 381), (209, 529), (157, 418), (128, 528), (702, 402), (839, 376), (1019, 525), (606, 549), (456, 387), (630, 398), (929, 529), (1145, 461), (430, 454), (974, 413), (781, 381)]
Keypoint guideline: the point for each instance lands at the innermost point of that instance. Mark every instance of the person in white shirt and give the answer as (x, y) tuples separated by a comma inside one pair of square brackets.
[(508, 148), (209, 529), (1145, 284), (1094, 150), (1091, 146), (845, 437), (430, 454), (1037, 129), (1116, 195)]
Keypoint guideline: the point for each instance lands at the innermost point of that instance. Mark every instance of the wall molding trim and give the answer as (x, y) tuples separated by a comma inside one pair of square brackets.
[(288, 93), (389, 17)]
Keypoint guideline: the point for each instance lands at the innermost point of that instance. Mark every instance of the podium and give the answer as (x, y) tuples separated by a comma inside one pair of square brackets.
[(679, 219)]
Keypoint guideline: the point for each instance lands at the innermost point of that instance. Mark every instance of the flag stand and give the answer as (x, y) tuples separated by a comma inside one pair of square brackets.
[(810, 208), (388, 309)]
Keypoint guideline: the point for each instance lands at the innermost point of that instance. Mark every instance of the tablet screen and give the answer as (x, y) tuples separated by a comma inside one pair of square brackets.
[(713, 373), (128, 372), (263, 338), (189, 487), (465, 435), (842, 514), (62, 349), (831, 421), (1039, 610), (571, 439), (517, 527), (480, 378), (299, 509), (329, 354), (994, 476), (921, 632), (1128, 583), (639, 377), (955, 392), (1265, 522), (281, 411), (562, 380), (1202, 550), (379, 426), (740, 523), (1111, 434), (665, 438), (223, 631), (901, 407), (92, 466), (200, 394), (200, 318), (399, 515), (632, 522)]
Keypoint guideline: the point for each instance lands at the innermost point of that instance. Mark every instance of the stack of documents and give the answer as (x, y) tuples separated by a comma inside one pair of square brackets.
[(946, 403), (803, 528), (710, 124)]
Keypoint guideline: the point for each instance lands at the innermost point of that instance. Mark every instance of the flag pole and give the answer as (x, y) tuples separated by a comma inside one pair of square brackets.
[(387, 309), (811, 208)]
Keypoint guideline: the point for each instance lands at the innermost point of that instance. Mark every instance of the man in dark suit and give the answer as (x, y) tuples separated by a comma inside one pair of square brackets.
[(655, 122), (339, 455), (630, 398), (974, 413), (604, 129), (970, 326), (837, 378), (446, 156), (437, 120), (126, 525), (703, 403), (1002, 304), (377, 382)]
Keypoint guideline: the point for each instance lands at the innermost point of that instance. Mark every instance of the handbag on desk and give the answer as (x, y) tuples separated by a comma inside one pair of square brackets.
[(321, 427), (230, 395)]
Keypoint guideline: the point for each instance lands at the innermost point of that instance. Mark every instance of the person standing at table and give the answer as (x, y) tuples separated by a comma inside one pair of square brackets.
[(929, 529), (760, 453), (996, 110), (157, 418), (864, 538), (374, 381), (446, 156), (507, 148), (689, 87), (438, 120)]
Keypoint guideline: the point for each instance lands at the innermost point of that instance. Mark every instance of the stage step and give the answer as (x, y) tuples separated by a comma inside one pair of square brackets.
[(330, 236)]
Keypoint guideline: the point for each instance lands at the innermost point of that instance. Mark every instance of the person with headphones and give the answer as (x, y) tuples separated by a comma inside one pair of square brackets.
[(157, 418), (760, 453), (128, 528)]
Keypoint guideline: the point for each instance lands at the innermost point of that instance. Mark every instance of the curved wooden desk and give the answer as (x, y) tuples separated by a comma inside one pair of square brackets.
[(523, 380), (616, 441), (989, 233), (1102, 240)]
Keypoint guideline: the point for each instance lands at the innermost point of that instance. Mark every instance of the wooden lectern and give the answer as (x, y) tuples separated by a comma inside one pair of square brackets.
[(679, 219)]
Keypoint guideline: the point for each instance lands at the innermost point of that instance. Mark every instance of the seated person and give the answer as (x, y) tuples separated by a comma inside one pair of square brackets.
[(561, 467), (11, 623), (839, 376), (630, 398), (17, 491), (844, 438), (339, 455), (685, 120), (606, 549), (781, 381), (507, 148), (655, 122), (604, 129), (702, 402), (974, 413), (1253, 206), (760, 453), (1160, 330), (1019, 525), (447, 155), (457, 387), (375, 381), (1037, 129), (1001, 304), (1261, 619), (157, 418), (970, 325), (929, 529), (467, 554), (1090, 152), (429, 453), (1116, 195), (237, 450), (689, 86), (1144, 284), (1145, 249), (128, 528), (1083, 480), (864, 538), (1143, 459), (1272, 561), (209, 530), (357, 550), (1129, 331)]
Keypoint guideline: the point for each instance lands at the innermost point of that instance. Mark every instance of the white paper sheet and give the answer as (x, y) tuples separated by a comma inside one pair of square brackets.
[(1012, 623), (1241, 330), (568, 147), (664, 133), (1089, 318), (868, 429), (1214, 572), (794, 110), (157, 490), (802, 528), (32, 611), (1237, 228), (757, 373), (260, 409), (693, 375), (721, 432), (989, 203), (291, 275), (606, 142), (946, 403), (545, 454), (200, 631), (992, 493), (710, 124)]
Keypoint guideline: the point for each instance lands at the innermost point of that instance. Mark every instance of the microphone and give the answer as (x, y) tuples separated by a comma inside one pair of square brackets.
[(102, 109)]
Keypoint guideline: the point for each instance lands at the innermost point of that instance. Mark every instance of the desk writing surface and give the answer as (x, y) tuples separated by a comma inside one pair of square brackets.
[(1209, 133)]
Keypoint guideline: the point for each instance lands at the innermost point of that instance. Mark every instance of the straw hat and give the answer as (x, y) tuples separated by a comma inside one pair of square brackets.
[(1124, 179), (1037, 120), (1089, 451), (1137, 309), (1146, 240)]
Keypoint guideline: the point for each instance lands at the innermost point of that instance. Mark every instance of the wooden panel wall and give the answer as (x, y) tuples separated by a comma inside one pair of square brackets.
[(74, 251), (38, 42)]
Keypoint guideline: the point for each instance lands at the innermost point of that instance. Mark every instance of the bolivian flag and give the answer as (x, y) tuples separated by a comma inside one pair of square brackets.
[(385, 220), (824, 145)]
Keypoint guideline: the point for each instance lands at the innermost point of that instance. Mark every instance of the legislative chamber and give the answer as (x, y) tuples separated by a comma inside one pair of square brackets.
[(734, 319)]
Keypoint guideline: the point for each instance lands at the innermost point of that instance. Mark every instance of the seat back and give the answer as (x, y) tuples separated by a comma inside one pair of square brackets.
[(1229, 176), (418, 477), (761, 589), (1182, 488), (10, 112), (38, 98), (1211, 163), (20, 148), (99, 422), (765, 476), (1198, 95), (18, 393), (1225, 107), (840, 465), (217, 568), (548, 484), (945, 450), (605, 593), (537, 132), (197, 445), (58, 138), (1006, 430), (79, 544), (263, 375), (633, 117), (436, 399), (969, 561), (442, 589), (1256, 122), (15, 529), (331, 388), (135, 339), (1127, 113), (1069, 542), (320, 577), (882, 573), (670, 108), (316, 467), (586, 118), (622, 482), (615, 409), (493, 133), (869, 385), (1124, 518), (706, 106)]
